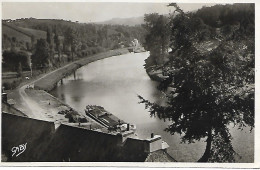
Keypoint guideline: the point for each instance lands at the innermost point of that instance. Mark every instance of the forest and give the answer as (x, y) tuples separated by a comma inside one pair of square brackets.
[(208, 59), (66, 37), (43, 44)]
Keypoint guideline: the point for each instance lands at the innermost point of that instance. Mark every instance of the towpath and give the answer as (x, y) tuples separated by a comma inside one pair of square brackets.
[(39, 104), (35, 109)]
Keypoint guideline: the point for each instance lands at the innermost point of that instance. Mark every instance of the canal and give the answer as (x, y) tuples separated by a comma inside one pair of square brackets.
[(115, 82)]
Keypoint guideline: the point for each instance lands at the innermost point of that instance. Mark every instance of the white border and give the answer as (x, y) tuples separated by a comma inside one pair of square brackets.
[(178, 164)]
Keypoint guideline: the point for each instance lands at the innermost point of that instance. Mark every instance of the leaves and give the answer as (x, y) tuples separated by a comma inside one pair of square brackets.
[(41, 55), (222, 149), (157, 38), (210, 90)]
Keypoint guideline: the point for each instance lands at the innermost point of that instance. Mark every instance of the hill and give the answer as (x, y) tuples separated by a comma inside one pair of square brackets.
[(73, 39), (124, 21), (20, 37), (10, 29)]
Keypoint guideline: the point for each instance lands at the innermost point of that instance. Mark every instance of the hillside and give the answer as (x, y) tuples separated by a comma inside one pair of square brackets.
[(11, 29), (19, 37), (39, 24), (124, 21), (6, 30), (88, 33), (61, 41)]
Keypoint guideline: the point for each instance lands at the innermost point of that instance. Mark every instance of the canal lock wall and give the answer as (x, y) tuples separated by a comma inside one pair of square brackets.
[(44, 143)]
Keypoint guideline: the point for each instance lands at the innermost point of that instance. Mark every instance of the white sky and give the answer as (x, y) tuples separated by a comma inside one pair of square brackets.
[(86, 11)]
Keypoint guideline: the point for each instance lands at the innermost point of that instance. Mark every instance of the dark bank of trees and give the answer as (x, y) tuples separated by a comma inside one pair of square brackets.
[(79, 40), (51, 43), (15, 60), (157, 41), (211, 90)]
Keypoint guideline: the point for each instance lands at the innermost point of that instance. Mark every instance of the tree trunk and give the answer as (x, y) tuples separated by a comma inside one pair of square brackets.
[(19, 70), (206, 154)]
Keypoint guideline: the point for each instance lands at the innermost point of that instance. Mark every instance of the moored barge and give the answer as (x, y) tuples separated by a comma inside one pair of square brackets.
[(107, 119)]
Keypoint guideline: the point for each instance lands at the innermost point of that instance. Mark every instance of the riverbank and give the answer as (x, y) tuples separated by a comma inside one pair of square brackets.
[(155, 74), (37, 103), (49, 82)]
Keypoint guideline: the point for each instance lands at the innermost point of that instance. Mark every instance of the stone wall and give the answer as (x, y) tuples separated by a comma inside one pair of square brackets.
[(68, 143)]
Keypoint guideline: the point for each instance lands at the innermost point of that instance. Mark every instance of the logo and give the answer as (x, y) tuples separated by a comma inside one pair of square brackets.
[(18, 150)]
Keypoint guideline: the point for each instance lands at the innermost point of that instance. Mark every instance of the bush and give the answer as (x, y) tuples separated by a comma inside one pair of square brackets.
[(12, 84), (7, 86)]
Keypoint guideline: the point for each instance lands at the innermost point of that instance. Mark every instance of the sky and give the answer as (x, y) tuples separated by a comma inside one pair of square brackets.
[(87, 11)]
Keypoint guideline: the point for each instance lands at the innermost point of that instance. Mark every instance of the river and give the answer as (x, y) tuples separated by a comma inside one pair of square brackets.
[(115, 82)]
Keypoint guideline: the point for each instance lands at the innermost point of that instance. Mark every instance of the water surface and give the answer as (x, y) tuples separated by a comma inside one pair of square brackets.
[(115, 82)]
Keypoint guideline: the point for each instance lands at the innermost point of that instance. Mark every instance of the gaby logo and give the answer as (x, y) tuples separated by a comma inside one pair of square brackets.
[(18, 150)]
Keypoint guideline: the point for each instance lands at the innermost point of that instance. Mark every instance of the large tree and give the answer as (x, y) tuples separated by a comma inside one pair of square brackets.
[(15, 60), (41, 56), (157, 38), (71, 40), (57, 42), (208, 91)]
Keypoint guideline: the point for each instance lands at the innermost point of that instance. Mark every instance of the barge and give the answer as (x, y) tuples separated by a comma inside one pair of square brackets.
[(107, 119)]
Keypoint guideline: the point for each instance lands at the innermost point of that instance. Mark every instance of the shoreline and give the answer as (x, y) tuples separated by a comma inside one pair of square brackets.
[(49, 82), (155, 75), (41, 105), (38, 103)]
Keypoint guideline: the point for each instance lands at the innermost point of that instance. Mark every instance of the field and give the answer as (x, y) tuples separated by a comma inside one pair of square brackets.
[(37, 33), (22, 34), (13, 33)]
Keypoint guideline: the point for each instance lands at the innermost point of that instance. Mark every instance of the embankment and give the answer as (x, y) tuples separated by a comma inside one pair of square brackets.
[(49, 82), (155, 75), (68, 143)]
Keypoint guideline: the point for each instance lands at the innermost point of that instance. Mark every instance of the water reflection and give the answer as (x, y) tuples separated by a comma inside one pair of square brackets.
[(114, 83)]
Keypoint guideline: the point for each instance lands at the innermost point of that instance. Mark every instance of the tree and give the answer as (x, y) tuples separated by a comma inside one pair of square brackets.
[(28, 46), (208, 92), (49, 36), (15, 60), (58, 44), (20, 69), (157, 38), (13, 43), (6, 42), (32, 41), (71, 40), (50, 41), (41, 57)]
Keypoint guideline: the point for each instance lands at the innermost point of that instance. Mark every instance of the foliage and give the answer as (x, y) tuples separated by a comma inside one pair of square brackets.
[(11, 59), (157, 38), (209, 90), (41, 57), (12, 84), (66, 37)]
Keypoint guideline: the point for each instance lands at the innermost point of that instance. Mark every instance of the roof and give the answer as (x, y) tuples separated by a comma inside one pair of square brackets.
[(159, 156)]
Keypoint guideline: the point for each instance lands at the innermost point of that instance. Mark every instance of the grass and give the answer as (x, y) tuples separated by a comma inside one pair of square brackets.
[(13, 33), (37, 33), (22, 34)]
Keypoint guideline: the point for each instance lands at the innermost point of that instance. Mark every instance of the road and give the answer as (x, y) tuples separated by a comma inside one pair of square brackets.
[(34, 108)]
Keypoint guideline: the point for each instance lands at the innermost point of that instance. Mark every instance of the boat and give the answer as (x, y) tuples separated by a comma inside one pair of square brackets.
[(107, 119)]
